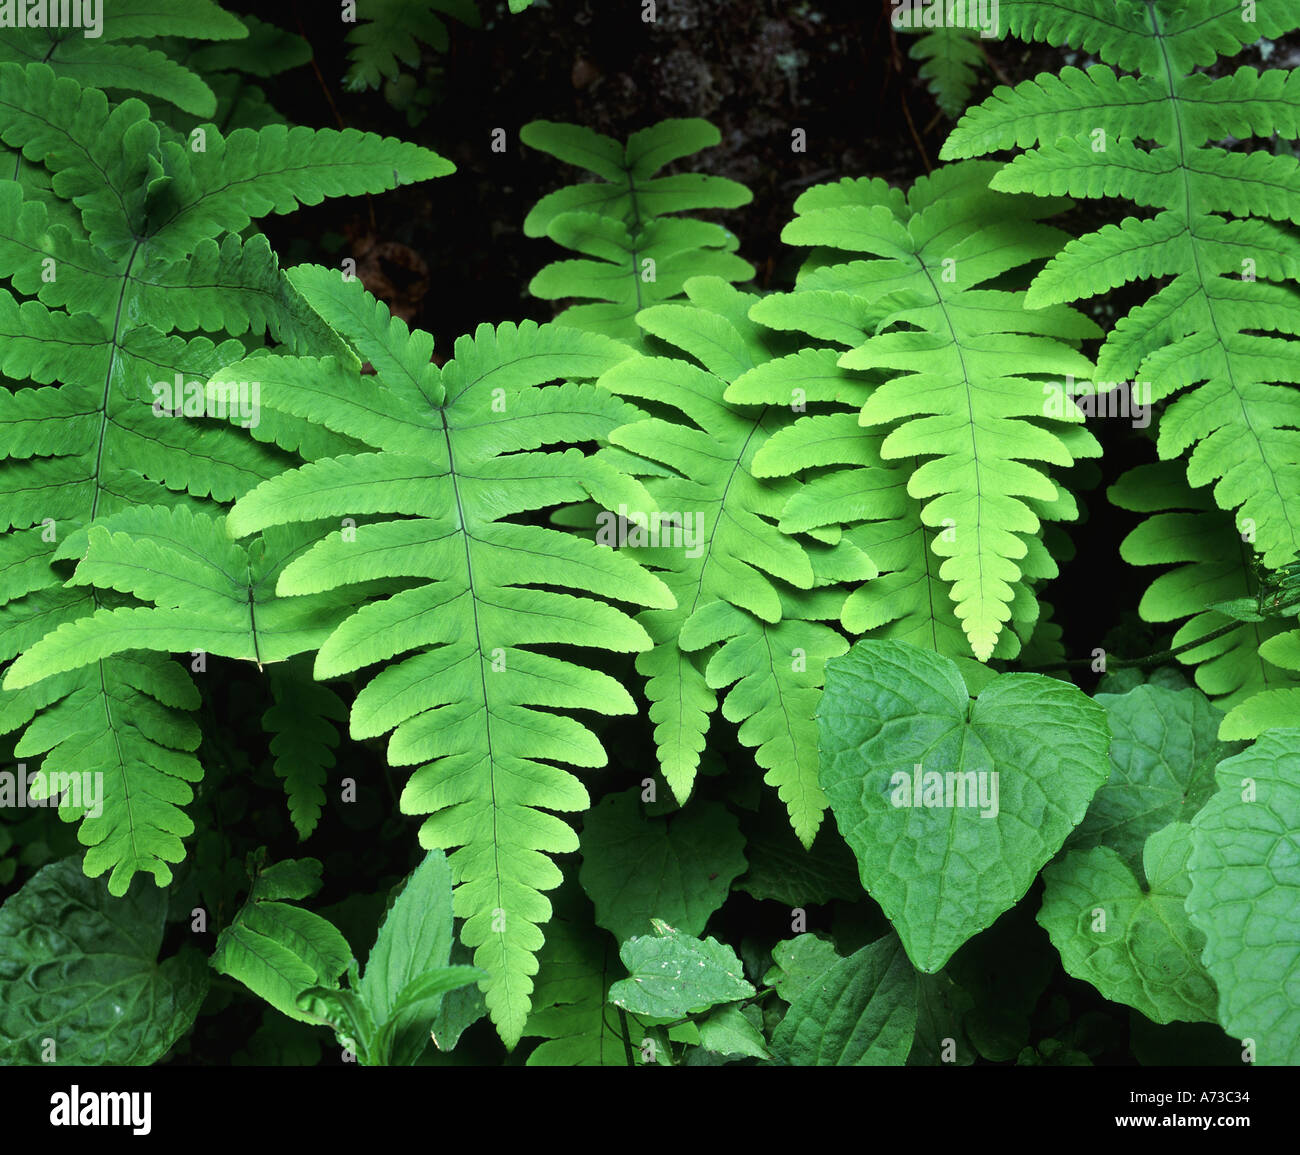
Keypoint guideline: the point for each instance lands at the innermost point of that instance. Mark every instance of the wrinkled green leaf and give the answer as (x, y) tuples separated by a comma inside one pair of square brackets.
[(678, 868), (860, 1013), (675, 974), (1015, 768), (1245, 894), (80, 969), (1135, 945)]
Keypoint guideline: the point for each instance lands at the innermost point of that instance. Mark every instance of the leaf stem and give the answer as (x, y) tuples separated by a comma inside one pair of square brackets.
[(627, 1037), (1149, 660)]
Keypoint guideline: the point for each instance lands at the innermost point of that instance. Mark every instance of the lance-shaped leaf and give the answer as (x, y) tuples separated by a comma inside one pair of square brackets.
[(407, 974), (457, 454), (951, 805)]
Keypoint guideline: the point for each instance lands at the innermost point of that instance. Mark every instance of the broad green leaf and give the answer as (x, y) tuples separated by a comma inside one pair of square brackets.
[(730, 1030), (80, 980), (569, 1008), (1004, 778), (675, 974), (636, 869), (782, 870), (1163, 751), (1135, 945), (799, 962), (860, 1013), (1245, 894), (415, 937)]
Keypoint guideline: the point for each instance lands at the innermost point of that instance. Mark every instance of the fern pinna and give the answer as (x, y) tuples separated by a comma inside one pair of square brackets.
[(1152, 125), (1252, 667), (637, 251), (449, 458), (957, 385), (122, 246)]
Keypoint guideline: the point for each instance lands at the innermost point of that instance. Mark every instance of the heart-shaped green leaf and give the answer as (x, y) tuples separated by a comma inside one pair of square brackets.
[(1003, 779)]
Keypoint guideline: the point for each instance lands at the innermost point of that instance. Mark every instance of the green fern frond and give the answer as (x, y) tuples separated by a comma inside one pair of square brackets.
[(391, 31), (634, 253), (302, 720), (104, 61), (949, 54), (969, 377), (230, 69), (90, 359), (207, 593), (458, 452), (123, 724), (1220, 334), (738, 579), (1213, 564)]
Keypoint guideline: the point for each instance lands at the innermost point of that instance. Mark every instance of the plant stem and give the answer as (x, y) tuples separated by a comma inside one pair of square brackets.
[(1149, 660)]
